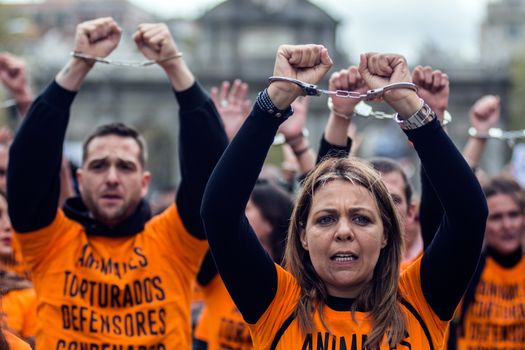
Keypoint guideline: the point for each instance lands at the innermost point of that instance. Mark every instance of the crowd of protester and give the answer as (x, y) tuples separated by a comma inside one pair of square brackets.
[(321, 251)]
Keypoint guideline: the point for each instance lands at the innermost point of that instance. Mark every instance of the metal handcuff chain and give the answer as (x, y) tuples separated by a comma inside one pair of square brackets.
[(366, 111), (313, 90), (496, 133), (361, 109), (123, 63)]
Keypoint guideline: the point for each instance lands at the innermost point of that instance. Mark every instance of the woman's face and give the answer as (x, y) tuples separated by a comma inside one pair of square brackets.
[(344, 235), (6, 231), (504, 230)]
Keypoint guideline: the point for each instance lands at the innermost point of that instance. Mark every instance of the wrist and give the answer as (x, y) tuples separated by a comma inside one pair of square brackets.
[(73, 74), (283, 94), (345, 116), (300, 152), (266, 104), (78, 61), (406, 106), (422, 116), (299, 143), (296, 139), (300, 148), (479, 134)]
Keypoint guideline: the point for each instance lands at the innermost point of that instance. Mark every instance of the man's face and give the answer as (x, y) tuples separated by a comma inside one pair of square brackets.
[(112, 181), (396, 187)]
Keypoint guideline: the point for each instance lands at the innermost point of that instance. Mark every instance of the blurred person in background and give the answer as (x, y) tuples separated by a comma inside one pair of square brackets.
[(492, 312), (18, 297)]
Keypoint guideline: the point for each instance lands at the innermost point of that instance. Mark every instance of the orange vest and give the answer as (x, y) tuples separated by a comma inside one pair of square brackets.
[(127, 293)]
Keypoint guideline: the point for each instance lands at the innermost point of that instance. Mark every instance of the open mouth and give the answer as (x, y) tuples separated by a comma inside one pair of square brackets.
[(344, 257)]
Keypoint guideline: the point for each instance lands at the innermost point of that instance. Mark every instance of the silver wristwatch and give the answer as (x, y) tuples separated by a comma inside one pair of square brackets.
[(423, 116)]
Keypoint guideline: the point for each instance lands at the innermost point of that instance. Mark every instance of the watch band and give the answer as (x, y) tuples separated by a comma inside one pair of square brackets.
[(423, 116), (265, 103)]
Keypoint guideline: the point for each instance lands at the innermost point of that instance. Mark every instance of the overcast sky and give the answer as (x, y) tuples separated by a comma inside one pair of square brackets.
[(401, 26)]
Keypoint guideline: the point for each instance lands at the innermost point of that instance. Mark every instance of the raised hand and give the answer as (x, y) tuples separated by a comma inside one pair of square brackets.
[(308, 63), (155, 42), (433, 88), (13, 76), (346, 79), (484, 114), (232, 104), (379, 70), (98, 37)]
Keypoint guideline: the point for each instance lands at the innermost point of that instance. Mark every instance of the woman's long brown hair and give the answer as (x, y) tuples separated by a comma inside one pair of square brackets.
[(380, 296)]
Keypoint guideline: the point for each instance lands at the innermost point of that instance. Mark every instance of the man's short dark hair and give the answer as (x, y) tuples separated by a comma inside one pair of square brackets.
[(387, 166), (118, 129)]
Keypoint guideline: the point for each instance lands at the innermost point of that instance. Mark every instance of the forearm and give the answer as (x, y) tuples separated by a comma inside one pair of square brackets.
[(38, 147), (452, 256), (303, 153), (473, 151), (73, 74), (180, 76), (244, 266), (430, 210), (202, 141), (336, 130)]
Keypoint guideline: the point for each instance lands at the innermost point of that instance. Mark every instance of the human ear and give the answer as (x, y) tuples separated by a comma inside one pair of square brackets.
[(79, 179), (304, 241), (146, 179)]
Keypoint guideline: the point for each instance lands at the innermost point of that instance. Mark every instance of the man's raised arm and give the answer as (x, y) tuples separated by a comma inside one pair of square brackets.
[(36, 152)]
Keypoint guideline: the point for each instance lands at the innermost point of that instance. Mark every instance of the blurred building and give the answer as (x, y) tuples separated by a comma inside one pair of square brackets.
[(236, 39), (503, 32)]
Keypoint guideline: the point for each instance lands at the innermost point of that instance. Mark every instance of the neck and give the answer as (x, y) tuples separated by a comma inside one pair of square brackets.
[(413, 246), (506, 260)]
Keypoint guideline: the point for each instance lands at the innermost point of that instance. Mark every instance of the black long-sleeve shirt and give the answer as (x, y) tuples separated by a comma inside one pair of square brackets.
[(248, 271), (36, 153)]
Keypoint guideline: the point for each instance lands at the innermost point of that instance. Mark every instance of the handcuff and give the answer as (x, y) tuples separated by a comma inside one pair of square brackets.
[(84, 56), (361, 109), (314, 90)]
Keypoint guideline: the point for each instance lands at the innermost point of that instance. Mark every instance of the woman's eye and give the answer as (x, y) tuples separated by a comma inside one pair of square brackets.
[(362, 220), (325, 220)]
